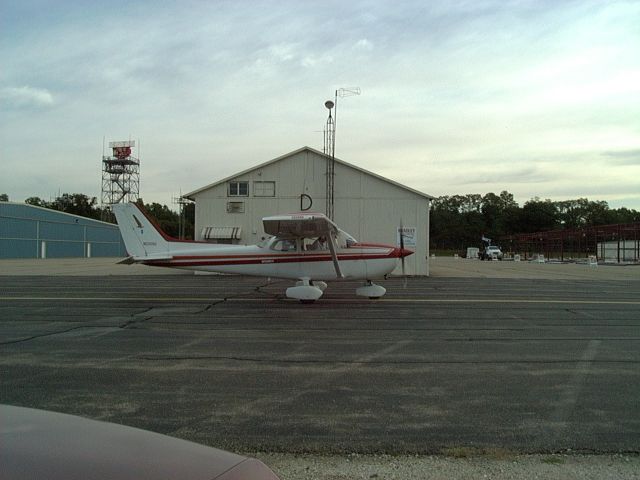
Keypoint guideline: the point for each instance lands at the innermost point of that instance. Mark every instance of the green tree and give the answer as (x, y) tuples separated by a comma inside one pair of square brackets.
[(77, 204), (189, 220), (37, 202), (460, 220), (500, 212), (597, 213), (623, 215), (167, 219), (538, 215), (456, 221), (4, 197)]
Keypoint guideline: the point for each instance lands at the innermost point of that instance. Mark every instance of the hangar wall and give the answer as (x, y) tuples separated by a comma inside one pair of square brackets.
[(27, 231), (367, 205)]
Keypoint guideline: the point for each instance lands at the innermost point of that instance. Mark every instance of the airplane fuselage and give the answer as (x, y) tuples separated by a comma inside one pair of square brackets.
[(357, 262)]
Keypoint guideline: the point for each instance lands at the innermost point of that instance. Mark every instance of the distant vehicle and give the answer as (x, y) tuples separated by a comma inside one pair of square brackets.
[(490, 252), (40, 444)]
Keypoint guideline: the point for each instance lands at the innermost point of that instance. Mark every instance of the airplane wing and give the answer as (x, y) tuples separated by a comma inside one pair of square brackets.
[(305, 225), (299, 225)]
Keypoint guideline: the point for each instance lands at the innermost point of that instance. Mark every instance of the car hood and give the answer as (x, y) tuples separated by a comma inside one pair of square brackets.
[(40, 444)]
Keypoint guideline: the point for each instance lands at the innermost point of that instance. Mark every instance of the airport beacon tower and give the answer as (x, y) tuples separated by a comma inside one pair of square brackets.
[(120, 174)]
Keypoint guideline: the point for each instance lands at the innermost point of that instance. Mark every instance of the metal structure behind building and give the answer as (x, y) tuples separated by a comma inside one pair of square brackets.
[(330, 145), (120, 174), (181, 202), (618, 243)]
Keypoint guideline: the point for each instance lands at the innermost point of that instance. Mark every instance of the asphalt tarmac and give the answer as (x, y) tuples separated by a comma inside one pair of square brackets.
[(528, 365)]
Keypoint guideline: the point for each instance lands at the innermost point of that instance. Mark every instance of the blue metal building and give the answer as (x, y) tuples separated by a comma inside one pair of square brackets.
[(34, 232)]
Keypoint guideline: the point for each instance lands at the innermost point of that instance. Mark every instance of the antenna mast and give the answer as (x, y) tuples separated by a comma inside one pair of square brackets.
[(329, 151), (330, 144)]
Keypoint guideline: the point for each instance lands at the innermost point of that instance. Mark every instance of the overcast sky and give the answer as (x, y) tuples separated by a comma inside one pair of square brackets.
[(540, 98)]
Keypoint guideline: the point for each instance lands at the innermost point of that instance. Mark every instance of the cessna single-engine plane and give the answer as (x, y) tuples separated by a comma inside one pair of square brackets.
[(307, 247)]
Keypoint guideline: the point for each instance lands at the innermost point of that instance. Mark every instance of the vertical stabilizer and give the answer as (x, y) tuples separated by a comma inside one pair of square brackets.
[(143, 240)]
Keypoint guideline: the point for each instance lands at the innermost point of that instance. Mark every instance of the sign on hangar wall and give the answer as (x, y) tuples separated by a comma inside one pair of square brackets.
[(409, 235)]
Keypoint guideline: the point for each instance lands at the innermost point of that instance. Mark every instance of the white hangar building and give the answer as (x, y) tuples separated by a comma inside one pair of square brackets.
[(366, 205)]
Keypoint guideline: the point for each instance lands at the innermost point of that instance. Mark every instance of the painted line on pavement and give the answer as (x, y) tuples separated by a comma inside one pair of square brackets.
[(339, 300)]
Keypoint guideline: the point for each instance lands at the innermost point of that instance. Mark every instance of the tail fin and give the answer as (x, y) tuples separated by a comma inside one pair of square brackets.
[(143, 240)]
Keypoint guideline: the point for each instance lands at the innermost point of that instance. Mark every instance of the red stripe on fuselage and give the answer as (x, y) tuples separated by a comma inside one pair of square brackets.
[(192, 261)]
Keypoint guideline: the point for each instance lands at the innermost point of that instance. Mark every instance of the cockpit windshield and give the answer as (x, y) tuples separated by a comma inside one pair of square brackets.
[(264, 242), (344, 240)]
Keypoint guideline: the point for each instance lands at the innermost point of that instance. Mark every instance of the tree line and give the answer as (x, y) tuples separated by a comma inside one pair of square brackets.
[(460, 221), (456, 221), (86, 206)]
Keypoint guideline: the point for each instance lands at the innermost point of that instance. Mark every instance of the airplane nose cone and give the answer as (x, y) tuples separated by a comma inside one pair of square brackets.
[(404, 252)]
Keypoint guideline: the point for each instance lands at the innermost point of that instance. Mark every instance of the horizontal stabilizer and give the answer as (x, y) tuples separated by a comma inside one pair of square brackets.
[(131, 259), (156, 256)]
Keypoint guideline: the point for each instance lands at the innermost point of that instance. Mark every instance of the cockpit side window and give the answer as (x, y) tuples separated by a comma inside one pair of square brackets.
[(284, 245), (316, 243)]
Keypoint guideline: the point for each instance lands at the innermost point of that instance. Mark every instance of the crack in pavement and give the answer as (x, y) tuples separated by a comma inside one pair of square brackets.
[(50, 334), (124, 325), (133, 322)]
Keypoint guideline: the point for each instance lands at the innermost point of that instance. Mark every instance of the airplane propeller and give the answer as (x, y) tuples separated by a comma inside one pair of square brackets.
[(404, 273)]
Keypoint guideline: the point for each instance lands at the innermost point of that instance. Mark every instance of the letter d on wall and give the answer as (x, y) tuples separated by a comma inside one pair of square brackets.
[(304, 196)]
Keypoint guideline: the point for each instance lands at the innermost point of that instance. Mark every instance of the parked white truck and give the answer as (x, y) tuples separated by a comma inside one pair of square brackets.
[(491, 252)]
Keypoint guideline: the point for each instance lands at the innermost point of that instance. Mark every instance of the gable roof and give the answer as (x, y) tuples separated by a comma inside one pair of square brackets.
[(295, 152)]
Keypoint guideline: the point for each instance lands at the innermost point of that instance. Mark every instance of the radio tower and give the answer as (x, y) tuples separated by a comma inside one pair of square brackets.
[(120, 175), (330, 144)]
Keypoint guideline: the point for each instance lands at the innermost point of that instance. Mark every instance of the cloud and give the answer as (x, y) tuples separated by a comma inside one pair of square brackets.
[(26, 96), (283, 51), (364, 44), (505, 175), (311, 61), (455, 95), (624, 157)]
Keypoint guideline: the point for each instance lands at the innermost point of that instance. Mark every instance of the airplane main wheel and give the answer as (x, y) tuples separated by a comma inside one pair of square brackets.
[(371, 290), (304, 293)]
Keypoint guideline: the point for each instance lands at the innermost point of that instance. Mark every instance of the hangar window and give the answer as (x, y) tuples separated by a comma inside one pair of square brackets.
[(235, 207), (228, 235), (264, 189), (238, 189)]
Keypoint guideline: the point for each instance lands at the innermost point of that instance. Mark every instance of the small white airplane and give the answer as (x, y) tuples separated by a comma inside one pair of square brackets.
[(307, 247)]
